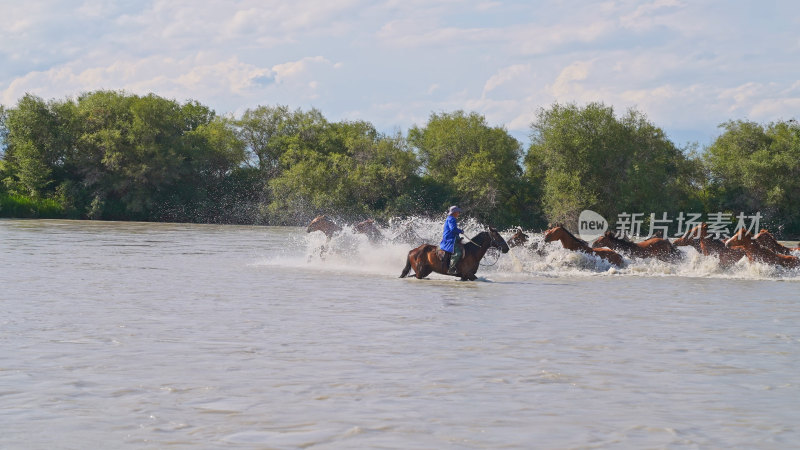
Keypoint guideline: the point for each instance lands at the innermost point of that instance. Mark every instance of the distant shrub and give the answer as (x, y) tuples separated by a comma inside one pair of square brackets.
[(25, 207)]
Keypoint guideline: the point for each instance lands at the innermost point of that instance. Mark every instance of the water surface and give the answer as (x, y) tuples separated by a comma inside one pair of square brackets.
[(134, 335)]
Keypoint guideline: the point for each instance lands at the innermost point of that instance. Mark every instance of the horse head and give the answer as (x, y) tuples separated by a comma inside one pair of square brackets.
[(554, 233), (742, 238), (605, 240), (764, 235), (695, 233), (497, 240), (517, 239), (368, 228), (323, 223)]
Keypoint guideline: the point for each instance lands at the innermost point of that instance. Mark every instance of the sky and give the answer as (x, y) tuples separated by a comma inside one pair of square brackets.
[(688, 65)]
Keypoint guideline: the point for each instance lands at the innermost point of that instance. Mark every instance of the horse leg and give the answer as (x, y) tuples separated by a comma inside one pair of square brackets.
[(406, 269), (423, 272)]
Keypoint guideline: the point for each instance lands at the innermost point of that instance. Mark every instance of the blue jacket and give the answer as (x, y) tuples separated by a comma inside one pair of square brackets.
[(450, 234)]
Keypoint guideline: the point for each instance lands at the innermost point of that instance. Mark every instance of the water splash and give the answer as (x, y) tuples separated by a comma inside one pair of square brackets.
[(351, 252)]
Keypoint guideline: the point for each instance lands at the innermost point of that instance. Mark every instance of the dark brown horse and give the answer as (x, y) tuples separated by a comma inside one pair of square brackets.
[(755, 252), (426, 258), (570, 242), (765, 239), (652, 248)]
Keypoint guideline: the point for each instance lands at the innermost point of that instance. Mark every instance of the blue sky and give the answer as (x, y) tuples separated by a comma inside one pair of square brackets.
[(688, 65)]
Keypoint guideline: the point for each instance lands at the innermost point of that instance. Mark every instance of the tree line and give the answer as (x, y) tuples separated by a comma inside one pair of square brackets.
[(115, 156)]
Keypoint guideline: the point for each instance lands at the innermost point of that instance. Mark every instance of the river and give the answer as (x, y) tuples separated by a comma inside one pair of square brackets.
[(142, 335)]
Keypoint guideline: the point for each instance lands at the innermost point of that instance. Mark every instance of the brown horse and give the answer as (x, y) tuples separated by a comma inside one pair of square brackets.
[(711, 246), (654, 247), (570, 242), (699, 238), (756, 252), (369, 228), (765, 239), (325, 224), (691, 238), (426, 259), (519, 238)]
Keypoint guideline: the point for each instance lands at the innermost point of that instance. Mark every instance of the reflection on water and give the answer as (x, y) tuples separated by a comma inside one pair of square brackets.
[(156, 335)]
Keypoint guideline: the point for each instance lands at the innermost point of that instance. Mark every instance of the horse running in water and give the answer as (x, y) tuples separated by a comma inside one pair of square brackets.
[(325, 224), (654, 247), (704, 243), (690, 239), (765, 239), (755, 252), (519, 238), (570, 242), (427, 258), (369, 228)]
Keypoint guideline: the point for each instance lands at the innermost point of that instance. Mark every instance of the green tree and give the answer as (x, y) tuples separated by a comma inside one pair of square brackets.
[(3, 144), (476, 165), (347, 168), (756, 167), (586, 157), (40, 137)]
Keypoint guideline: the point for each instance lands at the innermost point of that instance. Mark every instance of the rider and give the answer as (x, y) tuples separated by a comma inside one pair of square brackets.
[(449, 244)]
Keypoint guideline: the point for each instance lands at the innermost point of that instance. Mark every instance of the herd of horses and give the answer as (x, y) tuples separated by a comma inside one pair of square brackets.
[(426, 258)]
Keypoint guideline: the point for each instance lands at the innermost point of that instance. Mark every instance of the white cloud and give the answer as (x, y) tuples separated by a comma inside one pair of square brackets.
[(191, 77), (293, 69), (505, 75), (686, 64), (565, 84)]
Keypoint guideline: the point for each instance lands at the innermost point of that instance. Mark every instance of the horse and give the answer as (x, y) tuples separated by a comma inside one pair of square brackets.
[(570, 242), (653, 247), (369, 228), (426, 259), (325, 224), (755, 252), (765, 239), (519, 238), (699, 238), (691, 238), (710, 246)]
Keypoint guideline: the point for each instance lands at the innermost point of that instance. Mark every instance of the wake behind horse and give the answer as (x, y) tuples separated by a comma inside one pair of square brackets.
[(426, 258), (570, 242)]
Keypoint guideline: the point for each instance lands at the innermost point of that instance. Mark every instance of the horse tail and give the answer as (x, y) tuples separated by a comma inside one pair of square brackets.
[(407, 268)]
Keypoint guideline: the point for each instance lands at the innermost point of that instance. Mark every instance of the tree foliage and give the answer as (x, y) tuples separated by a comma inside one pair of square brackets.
[(588, 158), (475, 164), (754, 167), (349, 168), (113, 155)]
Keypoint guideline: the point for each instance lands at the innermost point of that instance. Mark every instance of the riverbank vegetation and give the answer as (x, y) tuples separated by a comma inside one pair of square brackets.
[(115, 156)]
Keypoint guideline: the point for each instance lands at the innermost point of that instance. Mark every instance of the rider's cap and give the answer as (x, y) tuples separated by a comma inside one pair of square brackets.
[(453, 209)]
